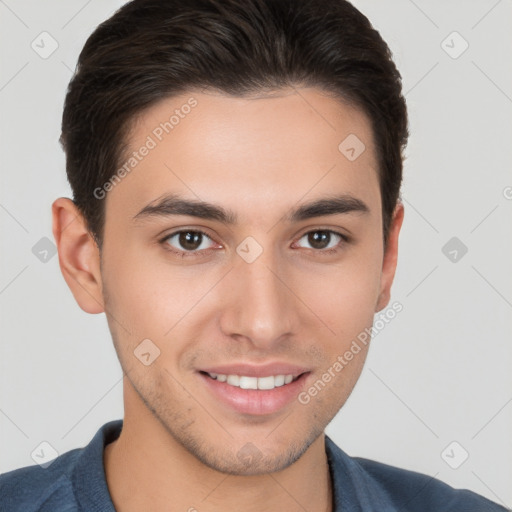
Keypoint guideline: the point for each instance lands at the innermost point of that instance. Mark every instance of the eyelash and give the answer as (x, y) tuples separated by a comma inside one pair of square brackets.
[(205, 252)]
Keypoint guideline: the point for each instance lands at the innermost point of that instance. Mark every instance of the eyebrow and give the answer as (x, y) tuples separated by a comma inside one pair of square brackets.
[(173, 204)]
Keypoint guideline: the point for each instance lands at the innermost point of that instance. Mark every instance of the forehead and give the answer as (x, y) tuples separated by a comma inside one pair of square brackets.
[(252, 152)]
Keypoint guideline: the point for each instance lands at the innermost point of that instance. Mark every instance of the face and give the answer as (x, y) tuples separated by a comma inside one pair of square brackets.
[(254, 285)]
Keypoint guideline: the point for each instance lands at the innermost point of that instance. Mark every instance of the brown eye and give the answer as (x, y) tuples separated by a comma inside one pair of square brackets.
[(319, 239), (324, 239), (184, 241), (189, 240)]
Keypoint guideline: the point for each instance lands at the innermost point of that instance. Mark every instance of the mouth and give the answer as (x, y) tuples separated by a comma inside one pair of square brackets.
[(248, 382), (252, 395)]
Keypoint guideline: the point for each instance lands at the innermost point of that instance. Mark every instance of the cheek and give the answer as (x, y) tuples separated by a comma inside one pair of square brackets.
[(344, 296), (152, 298), (137, 292)]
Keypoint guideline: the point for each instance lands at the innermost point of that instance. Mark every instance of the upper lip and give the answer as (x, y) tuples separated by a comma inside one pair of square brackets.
[(262, 370)]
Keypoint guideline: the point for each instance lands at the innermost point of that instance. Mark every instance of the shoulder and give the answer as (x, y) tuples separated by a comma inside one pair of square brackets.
[(421, 492), (385, 487), (73, 481), (34, 488)]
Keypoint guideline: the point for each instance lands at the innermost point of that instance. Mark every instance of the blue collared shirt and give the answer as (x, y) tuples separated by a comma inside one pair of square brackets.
[(75, 481)]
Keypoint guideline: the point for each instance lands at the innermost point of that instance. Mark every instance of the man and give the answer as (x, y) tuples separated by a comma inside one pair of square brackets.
[(236, 168)]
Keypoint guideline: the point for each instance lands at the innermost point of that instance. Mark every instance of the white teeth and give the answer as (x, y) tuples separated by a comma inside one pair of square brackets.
[(279, 380), (234, 380), (249, 382), (245, 382), (266, 382)]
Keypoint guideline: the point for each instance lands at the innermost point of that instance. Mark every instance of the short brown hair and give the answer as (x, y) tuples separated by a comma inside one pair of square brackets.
[(153, 49)]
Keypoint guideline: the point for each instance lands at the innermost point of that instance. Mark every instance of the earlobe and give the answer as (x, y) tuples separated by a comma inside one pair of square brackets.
[(390, 258), (79, 256)]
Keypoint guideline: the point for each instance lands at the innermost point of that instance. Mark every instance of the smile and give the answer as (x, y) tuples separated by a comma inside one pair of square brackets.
[(246, 382), (250, 395)]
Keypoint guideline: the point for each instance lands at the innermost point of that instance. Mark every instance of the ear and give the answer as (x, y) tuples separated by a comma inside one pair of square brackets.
[(390, 258), (79, 256)]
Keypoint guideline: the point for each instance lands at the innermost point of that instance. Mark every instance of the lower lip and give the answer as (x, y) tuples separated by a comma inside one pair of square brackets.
[(255, 401)]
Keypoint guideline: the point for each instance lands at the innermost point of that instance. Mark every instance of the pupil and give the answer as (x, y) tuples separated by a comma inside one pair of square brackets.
[(189, 240), (317, 239)]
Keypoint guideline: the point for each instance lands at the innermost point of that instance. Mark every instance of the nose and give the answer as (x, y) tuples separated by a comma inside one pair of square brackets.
[(260, 304)]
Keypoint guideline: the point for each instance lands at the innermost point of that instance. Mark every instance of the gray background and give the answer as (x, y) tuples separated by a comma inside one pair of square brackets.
[(438, 373)]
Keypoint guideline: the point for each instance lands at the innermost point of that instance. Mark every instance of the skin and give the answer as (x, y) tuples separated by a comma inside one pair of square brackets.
[(260, 157)]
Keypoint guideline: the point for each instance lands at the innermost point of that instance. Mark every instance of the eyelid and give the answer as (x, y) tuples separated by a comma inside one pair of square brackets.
[(187, 229), (337, 231)]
